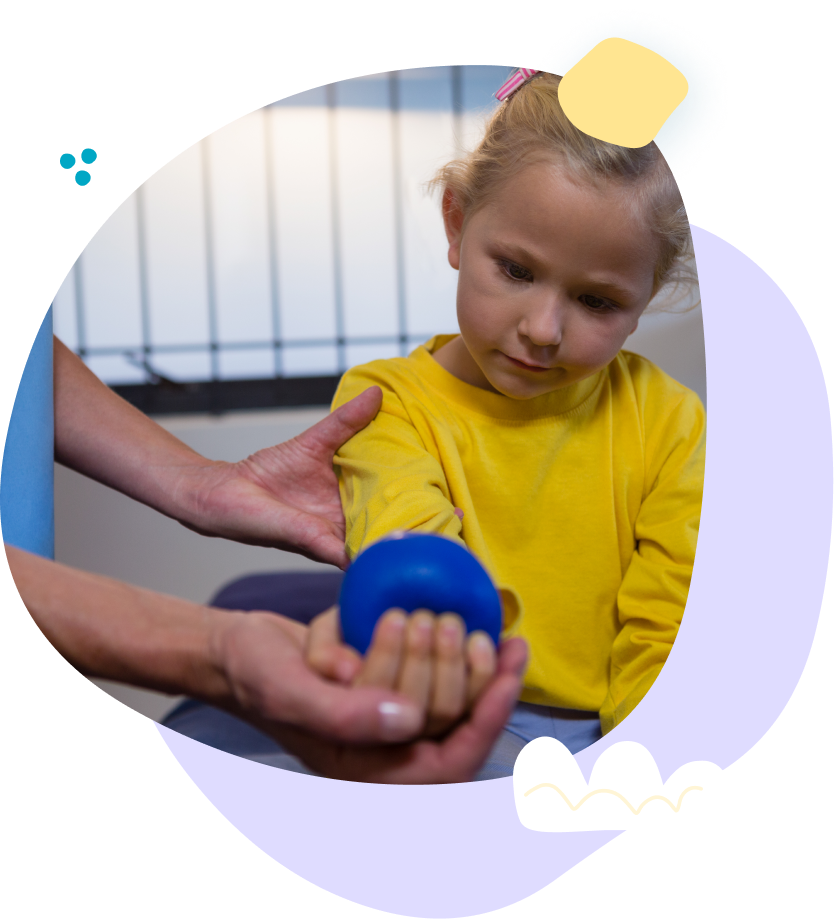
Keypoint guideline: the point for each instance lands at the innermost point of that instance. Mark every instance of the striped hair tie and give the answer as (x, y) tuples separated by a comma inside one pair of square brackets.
[(514, 82)]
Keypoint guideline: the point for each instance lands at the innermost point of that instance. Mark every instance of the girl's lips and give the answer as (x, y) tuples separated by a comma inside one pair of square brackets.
[(532, 367)]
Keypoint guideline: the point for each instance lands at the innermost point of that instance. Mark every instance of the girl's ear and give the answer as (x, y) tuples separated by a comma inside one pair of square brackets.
[(453, 222)]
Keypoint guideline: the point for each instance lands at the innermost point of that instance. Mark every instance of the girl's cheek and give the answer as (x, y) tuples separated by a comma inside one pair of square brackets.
[(491, 319)]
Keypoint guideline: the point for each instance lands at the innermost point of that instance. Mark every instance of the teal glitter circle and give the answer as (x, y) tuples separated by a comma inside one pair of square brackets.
[(702, 114), (68, 160), (82, 177), (89, 155)]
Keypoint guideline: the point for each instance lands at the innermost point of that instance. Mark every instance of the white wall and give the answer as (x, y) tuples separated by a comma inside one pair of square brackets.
[(675, 342), (99, 530), (303, 221)]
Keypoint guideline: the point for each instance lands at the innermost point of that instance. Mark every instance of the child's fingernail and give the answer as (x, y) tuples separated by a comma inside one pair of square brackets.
[(424, 622), (421, 633), (481, 643), (398, 722), (451, 629), (344, 671), (391, 624)]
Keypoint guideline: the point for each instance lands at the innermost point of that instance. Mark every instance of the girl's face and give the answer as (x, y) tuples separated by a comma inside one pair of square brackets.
[(553, 277)]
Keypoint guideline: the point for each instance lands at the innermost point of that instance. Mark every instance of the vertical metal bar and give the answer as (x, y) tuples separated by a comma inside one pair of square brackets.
[(272, 231), (211, 287), (457, 107), (144, 302), (399, 229), (338, 293), (80, 322)]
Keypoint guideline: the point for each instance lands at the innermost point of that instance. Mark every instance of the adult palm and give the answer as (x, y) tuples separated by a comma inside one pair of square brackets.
[(286, 496)]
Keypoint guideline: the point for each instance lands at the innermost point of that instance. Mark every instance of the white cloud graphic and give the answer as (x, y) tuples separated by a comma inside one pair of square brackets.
[(552, 796)]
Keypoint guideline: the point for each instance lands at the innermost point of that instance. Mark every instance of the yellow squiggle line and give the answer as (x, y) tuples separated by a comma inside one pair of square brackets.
[(610, 791)]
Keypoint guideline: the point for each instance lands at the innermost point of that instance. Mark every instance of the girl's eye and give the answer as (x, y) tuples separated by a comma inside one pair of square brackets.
[(597, 304), (516, 272)]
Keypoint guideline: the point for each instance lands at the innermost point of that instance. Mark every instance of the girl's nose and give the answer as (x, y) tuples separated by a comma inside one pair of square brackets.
[(543, 324)]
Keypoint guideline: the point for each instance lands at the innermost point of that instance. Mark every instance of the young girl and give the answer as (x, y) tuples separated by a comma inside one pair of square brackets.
[(578, 467)]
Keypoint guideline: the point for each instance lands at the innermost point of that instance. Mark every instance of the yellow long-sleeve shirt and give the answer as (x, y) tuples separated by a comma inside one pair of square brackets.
[(585, 501)]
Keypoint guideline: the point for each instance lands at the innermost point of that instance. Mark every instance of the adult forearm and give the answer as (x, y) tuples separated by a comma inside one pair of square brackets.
[(102, 436), (113, 630)]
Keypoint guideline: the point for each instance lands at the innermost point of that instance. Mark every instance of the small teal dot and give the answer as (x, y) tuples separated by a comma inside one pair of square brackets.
[(89, 155), (82, 177), (68, 160)]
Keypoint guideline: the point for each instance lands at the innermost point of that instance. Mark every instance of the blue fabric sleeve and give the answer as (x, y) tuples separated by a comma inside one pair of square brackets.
[(27, 507)]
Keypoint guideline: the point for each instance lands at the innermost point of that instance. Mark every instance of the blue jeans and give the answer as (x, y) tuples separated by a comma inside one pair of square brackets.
[(576, 730)]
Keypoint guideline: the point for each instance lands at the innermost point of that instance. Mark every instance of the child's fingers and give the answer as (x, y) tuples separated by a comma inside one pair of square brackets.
[(384, 657), (481, 658), (415, 679), (325, 651), (448, 700)]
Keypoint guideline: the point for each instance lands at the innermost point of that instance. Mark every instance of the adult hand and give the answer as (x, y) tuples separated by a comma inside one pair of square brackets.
[(262, 659), (455, 758), (337, 729), (286, 496)]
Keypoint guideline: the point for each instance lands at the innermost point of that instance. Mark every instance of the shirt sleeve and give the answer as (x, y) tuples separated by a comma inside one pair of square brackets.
[(652, 597), (389, 477)]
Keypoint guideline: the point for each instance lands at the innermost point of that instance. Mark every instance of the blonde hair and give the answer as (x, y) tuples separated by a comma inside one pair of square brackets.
[(530, 126)]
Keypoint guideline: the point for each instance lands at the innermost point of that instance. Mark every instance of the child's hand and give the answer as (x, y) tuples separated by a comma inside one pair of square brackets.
[(425, 657)]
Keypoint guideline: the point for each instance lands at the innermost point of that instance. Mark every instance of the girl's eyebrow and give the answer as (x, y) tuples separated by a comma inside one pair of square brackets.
[(519, 252), (613, 288)]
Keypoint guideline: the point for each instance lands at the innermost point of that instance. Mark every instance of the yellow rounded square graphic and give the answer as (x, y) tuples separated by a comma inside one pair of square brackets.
[(621, 92)]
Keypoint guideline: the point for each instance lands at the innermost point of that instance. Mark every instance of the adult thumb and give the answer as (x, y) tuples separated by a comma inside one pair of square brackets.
[(331, 432), (357, 714)]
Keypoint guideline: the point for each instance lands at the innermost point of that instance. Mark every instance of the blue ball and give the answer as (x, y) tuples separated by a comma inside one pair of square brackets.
[(416, 571), (82, 177), (67, 160), (89, 155)]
